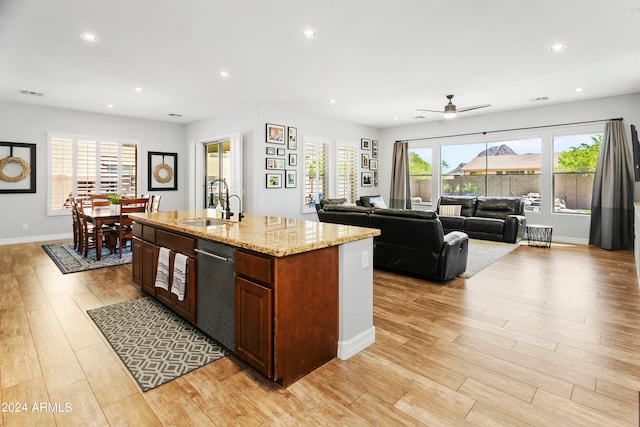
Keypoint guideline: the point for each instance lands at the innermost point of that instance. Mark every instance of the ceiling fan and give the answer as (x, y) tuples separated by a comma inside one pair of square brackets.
[(450, 109)]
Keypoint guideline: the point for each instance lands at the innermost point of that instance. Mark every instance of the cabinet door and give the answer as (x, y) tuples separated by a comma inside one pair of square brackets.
[(149, 267), (254, 334), (136, 261), (187, 307)]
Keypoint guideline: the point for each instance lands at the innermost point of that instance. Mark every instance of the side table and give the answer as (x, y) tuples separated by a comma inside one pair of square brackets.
[(539, 235)]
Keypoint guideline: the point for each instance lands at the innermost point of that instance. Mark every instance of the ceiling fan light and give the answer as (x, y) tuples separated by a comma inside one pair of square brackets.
[(449, 114)]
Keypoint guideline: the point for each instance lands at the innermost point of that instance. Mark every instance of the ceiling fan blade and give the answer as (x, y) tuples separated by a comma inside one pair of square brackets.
[(430, 111), (462, 110)]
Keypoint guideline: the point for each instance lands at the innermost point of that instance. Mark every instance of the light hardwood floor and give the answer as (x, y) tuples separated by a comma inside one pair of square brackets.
[(542, 337)]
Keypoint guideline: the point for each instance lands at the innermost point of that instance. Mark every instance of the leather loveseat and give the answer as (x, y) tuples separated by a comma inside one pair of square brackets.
[(499, 219), (411, 242)]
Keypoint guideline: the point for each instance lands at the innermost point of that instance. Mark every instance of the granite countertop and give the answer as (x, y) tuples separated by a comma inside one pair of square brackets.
[(270, 235)]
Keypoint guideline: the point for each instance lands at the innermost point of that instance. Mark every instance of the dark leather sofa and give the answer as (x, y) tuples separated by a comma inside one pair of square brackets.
[(499, 219), (412, 242)]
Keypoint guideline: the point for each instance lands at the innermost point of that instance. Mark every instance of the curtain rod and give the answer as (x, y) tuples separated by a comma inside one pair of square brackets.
[(509, 130)]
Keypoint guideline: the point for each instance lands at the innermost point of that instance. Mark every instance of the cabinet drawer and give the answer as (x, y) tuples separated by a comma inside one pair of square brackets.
[(148, 233), (257, 267), (176, 242), (136, 229)]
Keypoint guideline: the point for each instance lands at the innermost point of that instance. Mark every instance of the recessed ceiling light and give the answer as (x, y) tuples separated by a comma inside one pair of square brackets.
[(396, 118), (109, 105), (223, 74), (138, 89), (89, 37), (332, 101), (310, 34), (558, 47), (579, 89)]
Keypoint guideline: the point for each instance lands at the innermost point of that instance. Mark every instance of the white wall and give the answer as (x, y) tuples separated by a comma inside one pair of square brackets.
[(251, 122), (567, 228), (30, 124)]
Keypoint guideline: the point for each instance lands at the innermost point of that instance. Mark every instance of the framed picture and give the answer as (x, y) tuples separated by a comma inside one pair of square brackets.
[(162, 171), (365, 161), (275, 134), (273, 163), (365, 144), (373, 164), (271, 151), (293, 159), (374, 149), (375, 179), (280, 151), (273, 220), (274, 180), (291, 180), (17, 167), (292, 141), (367, 179)]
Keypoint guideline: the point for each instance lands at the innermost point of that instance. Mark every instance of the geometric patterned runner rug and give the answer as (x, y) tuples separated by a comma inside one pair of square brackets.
[(70, 261), (155, 344)]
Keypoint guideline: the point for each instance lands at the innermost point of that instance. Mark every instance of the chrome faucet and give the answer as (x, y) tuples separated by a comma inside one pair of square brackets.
[(240, 214), (227, 210)]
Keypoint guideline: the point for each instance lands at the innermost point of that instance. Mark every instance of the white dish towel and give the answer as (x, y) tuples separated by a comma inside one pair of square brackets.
[(162, 273), (179, 275)]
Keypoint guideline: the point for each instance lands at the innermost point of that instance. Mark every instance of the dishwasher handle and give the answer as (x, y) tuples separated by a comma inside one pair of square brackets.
[(210, 254)]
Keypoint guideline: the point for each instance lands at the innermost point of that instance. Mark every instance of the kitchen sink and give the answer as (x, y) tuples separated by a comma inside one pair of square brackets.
[(203, 222)]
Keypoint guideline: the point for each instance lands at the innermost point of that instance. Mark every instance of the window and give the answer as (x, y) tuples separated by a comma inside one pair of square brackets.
[(494, 169), (420, 174), (574, 165), (80, 166), (316, 162), (330, 171), (347, 169)]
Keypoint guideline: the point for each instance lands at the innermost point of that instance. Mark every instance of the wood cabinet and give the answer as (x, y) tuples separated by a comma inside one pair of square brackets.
[(287, 311), (146, 246)]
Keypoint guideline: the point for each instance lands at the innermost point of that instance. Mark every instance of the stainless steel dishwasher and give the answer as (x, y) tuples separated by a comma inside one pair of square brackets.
[(216, 291)]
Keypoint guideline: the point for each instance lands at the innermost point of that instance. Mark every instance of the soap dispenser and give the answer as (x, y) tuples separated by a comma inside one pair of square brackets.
[(219, 211)]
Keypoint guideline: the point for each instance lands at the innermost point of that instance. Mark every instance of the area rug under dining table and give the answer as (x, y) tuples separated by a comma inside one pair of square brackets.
[(70, 261)]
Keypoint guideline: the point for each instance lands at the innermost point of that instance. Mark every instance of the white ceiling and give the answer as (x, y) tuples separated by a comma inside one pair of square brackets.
[(377, 59)]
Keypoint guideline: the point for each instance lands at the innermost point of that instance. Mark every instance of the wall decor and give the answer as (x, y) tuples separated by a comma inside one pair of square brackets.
[(365, 144), (271, 151), (367, 179), (275, 134), (291, 179), (374, 148), (281, 151), (293, 159), (17, 167), (292, 141), (162, 171), (365, 161), (274, 180), (275, 163), (375, 179), (373, 164)]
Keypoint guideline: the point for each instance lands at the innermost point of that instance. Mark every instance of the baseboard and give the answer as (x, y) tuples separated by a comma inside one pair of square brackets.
[(570, 240), (31, 239), (347, 349)]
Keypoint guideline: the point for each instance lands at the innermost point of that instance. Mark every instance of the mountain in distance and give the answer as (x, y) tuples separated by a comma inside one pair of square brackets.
[(502, 150)]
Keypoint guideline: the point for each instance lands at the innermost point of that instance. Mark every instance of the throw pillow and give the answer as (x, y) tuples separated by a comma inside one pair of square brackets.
[(379, 204), (450, 210)]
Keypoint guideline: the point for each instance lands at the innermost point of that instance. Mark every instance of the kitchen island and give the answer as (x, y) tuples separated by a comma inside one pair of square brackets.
[(303, 290)]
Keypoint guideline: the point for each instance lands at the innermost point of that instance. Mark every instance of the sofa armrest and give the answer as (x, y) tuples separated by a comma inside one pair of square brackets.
[(453, 259), (514, 228)]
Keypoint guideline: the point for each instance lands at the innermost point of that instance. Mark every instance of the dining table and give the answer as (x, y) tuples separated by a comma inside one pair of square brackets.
[(99, 216)]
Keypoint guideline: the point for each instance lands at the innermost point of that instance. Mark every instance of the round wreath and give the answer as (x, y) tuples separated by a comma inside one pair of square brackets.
[(163, 167), (26, 169)]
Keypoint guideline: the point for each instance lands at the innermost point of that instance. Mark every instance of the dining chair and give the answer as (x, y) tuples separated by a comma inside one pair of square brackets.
[(154, 203), (76, 221), (99, 200), (124, 228)]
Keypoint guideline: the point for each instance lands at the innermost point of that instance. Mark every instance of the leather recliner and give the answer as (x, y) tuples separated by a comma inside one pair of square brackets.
[(414, 242)]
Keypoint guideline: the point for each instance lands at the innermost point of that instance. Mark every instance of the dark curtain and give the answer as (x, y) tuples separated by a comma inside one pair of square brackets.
[(400, 191), (612, 198)]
